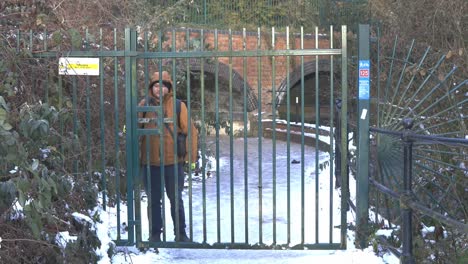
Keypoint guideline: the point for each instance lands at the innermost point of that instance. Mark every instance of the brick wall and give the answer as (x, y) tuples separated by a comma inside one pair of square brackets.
[(252, 41)]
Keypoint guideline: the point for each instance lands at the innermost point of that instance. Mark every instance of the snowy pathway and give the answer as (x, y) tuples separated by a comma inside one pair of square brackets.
[(132, 255)]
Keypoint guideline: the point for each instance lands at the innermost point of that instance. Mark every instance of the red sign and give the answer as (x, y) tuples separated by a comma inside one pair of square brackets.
[(364, 73)]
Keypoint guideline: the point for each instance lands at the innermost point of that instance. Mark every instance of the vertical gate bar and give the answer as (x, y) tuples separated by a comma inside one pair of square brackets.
[(231, 142), (260, 132), (302, 143), (337, 134), (246, 171), (29, 47), (141, 169), (161, 146), (141, 173), (218, 185), (344, 135), (362, 177), (203, 135), (136, 179), (88, 118), (18, 34), (145, 61), (174, 131), (75, 125), (88, 129), (129, 62), (176, 127), (48, 66), (72, 164), (406, 212), (332, 134), (189, 107), (378, 82), (196, 15), (273, 125), (204, 11), (47, 81), (60, 105), (117, 138), (377, 208), (317, 125), (34, 78), (103, 132), (288, 139)]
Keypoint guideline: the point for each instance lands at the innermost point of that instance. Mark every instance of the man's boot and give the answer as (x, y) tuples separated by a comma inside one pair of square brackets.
[(155, 238), (182, 237)]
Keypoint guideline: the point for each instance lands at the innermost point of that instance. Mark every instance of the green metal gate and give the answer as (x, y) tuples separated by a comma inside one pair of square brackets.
[(271, 185), (192, 64)]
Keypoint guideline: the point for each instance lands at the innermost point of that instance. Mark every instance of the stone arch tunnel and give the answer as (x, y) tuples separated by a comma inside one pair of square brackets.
[(258, 81), (294, 85)]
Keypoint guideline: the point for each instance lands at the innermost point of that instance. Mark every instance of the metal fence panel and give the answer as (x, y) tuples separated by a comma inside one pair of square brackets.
[(278, 202)]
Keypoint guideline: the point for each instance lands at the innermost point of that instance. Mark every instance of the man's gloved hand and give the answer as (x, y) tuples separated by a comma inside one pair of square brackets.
[(193, 165), (123, 132)]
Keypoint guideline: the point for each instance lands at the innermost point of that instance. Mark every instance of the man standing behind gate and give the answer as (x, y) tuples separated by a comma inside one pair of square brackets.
[(161, 85)]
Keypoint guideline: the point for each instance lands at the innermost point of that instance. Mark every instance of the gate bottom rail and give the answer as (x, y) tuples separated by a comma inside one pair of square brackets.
[(227, 245)]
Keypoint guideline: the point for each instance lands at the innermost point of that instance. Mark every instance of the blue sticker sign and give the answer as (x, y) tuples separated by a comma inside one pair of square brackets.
[(364, 79)]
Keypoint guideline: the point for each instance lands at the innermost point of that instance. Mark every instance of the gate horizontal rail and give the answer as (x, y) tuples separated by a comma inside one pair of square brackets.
[(191, 54)]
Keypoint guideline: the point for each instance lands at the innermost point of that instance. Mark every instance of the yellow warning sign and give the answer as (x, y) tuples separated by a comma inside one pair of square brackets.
[(79, 66)]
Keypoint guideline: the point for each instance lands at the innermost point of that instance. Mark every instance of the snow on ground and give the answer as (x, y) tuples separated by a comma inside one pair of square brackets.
[(107, 231)]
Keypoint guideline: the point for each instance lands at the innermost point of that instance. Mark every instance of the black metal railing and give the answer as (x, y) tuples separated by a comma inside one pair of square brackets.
[(408, 199)]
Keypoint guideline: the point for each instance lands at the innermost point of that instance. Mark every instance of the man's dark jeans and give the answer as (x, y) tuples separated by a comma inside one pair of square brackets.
[(156, 195)]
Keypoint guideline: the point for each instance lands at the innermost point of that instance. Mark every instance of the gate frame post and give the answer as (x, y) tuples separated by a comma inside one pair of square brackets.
[(344, 135), (130, 102), (362, 177)]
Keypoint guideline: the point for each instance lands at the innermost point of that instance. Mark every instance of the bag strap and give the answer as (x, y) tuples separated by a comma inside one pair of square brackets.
[(178, 106)]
